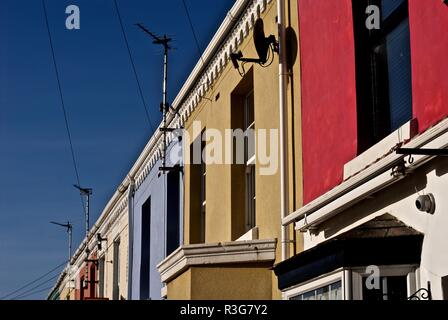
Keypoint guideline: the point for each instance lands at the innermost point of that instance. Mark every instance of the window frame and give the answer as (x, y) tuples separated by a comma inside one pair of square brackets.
[(250, 172), (409, 271), (351, 281), (317, 283), (372, 73)]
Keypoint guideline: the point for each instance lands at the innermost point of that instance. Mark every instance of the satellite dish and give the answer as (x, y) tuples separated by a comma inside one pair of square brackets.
[(261, 45)]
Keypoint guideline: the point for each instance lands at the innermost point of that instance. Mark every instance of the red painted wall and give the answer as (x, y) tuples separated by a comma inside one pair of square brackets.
[(329, 121), (428, 21)]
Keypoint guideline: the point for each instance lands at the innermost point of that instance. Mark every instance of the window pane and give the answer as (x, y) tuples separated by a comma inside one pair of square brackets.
[(399, 69), (397, 288), (388, 6), (328, 292), (311, 295), (336, 291)]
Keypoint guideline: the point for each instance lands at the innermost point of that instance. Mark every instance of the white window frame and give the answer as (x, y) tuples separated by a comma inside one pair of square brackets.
[(250, 177), (316, 283), (410, 271), (351, 281)]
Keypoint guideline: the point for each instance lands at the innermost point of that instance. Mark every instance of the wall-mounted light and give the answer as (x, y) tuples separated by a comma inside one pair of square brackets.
[(426, 203), (99, 241)]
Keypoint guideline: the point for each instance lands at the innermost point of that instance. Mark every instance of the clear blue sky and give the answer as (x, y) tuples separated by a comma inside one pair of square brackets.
[(107, 120)]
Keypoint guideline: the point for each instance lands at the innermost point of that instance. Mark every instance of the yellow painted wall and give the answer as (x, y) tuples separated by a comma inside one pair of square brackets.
[(222, 283), (180, 287), (216, 114)]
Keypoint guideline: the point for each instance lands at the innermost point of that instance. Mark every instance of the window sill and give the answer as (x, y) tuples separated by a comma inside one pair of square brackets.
[(252, 234), (405, 133)]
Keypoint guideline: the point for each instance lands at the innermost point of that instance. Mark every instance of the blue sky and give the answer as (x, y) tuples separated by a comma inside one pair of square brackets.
[(107, 120)]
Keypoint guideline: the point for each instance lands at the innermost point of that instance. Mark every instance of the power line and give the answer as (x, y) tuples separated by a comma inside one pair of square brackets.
[(193, 31), (35, 292), (133, 67), (33, 282), (23, 294), (67, 127)]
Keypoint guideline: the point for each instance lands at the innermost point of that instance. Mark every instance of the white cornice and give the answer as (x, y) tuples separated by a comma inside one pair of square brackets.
[(216, 253)]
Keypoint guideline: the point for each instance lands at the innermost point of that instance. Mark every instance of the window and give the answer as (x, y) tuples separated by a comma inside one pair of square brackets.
[(249, 151), (383, 71), (396, 283), (329, 292), (173, 212), (116, 271), (92, 281), (101, 265), (445, 287), (197, 186), (145, 250), (203, 199), (81, 288), (243, 157), (390, 288)]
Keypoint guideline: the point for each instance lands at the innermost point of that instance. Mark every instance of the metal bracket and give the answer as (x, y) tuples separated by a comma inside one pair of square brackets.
[(422, 293)]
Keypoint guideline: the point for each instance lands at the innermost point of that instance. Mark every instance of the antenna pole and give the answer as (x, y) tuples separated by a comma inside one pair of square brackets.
[(86, 192), (69, 230), (164, 108), (87, 213), (165, 96)]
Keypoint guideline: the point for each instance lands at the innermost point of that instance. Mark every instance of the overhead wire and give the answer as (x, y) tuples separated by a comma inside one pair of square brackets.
[(35, 292), (21, 295), (133, 67), (61, 96), (33, 281)]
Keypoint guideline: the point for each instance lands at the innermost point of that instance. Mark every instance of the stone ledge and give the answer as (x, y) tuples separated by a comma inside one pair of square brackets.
[(216, 253)]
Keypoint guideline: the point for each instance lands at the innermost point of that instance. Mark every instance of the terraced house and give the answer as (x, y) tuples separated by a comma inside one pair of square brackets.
[(232, 209), (374, 109), (306, 162)]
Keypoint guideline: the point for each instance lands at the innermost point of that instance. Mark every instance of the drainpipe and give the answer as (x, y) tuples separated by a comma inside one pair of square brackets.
[(284, 195), (130, 234)]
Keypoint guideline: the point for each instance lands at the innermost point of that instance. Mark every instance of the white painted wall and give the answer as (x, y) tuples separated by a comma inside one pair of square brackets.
[(399, 201)]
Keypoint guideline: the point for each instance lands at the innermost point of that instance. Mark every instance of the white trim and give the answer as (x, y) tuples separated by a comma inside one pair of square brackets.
[(405, 133), (434, 137), (216, 253), (385, 271), (316, 283)]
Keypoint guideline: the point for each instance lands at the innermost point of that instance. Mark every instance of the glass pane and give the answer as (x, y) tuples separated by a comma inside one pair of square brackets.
[(335, 291), (374, 294), (388, 7), (397, 288), (311, 295), (399, 69), (323, 293), (328, 292)]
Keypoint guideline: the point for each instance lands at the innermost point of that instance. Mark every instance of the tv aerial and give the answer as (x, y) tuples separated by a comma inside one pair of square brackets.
[(266, 47)]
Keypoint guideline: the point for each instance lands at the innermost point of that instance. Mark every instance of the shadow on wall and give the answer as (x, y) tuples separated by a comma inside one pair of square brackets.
[(414, 183)]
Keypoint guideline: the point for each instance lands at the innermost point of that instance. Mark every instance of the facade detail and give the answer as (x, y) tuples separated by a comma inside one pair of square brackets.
[(348, 189)]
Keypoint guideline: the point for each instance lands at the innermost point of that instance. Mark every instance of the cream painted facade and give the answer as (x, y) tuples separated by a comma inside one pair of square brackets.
[(112, 226)]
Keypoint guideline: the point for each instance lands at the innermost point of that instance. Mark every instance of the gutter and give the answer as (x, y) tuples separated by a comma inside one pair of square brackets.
[(282, 72)]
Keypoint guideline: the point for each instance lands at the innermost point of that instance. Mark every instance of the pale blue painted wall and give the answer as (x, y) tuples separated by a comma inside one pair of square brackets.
[(154, 186)]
